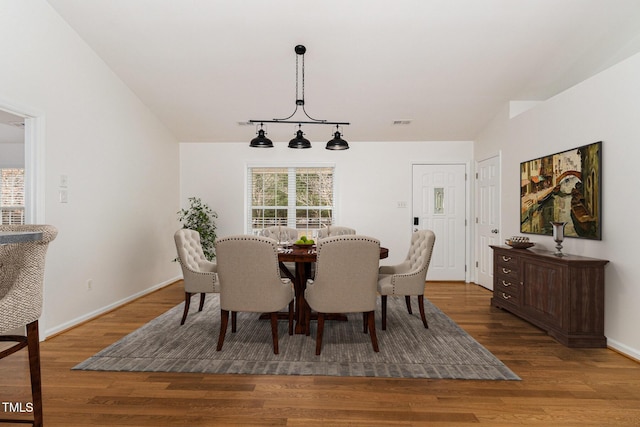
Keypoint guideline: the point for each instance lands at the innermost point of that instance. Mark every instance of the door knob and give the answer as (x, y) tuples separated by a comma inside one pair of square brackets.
[(494, 231)]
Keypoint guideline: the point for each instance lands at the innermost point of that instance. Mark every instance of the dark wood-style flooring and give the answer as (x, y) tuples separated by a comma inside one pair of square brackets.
[(560, 386)]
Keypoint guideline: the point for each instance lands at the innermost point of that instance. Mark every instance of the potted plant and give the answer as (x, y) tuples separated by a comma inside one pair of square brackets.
[(200, 217)]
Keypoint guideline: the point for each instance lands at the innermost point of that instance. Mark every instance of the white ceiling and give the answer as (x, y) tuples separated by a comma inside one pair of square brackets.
[(448, 65)]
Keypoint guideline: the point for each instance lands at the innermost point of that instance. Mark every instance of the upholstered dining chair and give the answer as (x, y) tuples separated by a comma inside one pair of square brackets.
[(335, 230), (199, 274), (250, 282), (21, 280), (345, 282), (280, 234), (408, 278)]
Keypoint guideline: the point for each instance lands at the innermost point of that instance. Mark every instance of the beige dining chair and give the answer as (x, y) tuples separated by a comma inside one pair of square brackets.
[(335, 230), (345, 282), (199, 274), (409, 277), (250, 282), (21, 282), (280, 233)]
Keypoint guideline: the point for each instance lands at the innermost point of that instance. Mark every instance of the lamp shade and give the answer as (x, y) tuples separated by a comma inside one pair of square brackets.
[(337, 143), (299, 141), (261, 141)]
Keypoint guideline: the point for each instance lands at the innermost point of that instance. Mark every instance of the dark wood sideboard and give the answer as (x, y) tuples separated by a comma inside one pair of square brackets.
[(564, 296)]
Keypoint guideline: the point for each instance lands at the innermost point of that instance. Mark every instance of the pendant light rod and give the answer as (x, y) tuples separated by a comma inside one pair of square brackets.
[(302, 122), (300, 51)]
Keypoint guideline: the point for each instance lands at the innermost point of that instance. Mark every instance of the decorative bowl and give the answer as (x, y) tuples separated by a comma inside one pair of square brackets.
[(519, 245)]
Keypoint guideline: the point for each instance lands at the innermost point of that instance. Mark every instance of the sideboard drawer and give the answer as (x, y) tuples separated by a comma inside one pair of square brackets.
[(507, 260), (507, 290), (507, 267), (505, 297), (509, 274), (504, 284)]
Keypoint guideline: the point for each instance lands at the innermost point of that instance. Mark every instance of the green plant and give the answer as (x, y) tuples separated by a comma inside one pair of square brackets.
[(200, 217)]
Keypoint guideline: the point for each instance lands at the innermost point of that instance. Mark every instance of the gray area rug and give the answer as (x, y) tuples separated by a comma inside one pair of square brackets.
[(407, 349)]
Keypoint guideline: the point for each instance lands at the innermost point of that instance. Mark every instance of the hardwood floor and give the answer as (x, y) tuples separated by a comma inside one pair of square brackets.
[(559, 387)]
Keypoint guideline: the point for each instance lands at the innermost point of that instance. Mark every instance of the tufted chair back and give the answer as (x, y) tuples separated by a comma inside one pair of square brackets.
[(198, 272), (280, 234), (22, 276), (419, 256), (408, 278), (190, 253), (335, 230)]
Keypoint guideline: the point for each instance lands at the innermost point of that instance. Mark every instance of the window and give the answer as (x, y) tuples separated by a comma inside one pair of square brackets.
[(297, 197), (12, 196)]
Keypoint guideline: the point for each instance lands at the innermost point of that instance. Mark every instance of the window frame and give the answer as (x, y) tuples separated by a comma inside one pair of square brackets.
[(291, 210)]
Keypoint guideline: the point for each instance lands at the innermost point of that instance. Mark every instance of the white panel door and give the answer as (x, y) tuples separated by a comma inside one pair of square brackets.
[(439, 205), (488, 218)]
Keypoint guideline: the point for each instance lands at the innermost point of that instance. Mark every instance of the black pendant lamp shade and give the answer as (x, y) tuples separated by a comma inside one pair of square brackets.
[(299, 141), (261, 141), (337, 143)]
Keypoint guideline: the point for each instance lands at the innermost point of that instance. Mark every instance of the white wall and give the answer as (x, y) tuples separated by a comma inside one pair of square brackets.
[(11, 155), (604, 108), (372, 178), (121, 163)]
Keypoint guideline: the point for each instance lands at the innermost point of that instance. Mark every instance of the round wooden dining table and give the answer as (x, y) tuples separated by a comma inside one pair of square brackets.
[(303, 257)]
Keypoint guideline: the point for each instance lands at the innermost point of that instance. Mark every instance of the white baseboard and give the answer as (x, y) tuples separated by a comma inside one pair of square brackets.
[(625, 350), (78, 320)]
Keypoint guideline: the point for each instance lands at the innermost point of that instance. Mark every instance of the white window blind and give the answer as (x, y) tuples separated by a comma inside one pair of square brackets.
[(12, 195), (297, 197)]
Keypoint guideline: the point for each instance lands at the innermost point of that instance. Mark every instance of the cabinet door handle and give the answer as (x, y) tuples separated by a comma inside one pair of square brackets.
[(506, 270), (506, 284), (506, 258), (505, 296)]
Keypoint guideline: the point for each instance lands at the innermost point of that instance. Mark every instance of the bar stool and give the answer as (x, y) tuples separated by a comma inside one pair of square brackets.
[(21, 279)]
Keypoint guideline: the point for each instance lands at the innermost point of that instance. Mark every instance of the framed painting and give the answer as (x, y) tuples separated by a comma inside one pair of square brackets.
[(564, 187)]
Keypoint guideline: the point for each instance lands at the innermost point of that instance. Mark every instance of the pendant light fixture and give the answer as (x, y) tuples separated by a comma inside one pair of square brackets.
[(261, 141), (299, 141), (337, 143)]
